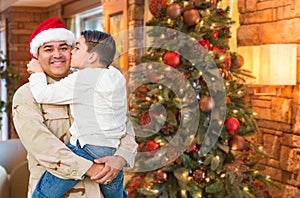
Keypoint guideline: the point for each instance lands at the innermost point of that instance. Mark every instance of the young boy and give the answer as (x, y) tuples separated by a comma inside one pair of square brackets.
[(97, 97)]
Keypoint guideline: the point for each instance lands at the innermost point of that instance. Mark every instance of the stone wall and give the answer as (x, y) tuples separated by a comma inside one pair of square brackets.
[(275, 22)]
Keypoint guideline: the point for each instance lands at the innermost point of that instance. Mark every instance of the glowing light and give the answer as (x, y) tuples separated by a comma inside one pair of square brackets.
[(183, 193), (246, 188)]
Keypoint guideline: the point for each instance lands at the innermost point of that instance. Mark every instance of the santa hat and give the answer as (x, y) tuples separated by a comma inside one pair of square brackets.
[(52, 29)]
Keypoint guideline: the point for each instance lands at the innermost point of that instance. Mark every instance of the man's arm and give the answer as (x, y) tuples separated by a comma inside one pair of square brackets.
[(41, 143)]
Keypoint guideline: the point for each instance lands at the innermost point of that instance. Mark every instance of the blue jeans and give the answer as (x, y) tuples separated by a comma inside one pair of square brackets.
[(50, 186)]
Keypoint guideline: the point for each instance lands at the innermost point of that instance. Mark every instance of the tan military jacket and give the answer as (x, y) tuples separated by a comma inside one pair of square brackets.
[(40, 126)]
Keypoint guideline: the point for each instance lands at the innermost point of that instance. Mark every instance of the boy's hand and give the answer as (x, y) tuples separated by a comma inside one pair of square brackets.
[(34, 66)]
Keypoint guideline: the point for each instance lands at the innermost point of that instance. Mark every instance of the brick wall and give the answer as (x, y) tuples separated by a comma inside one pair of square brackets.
[(20, 22), (275, 22)]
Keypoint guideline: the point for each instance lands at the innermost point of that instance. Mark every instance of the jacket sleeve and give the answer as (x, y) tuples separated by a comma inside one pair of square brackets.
[(40, 142), (128, 146)]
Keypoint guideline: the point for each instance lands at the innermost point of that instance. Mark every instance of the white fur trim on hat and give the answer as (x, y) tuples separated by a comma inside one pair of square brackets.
[(53, 34)]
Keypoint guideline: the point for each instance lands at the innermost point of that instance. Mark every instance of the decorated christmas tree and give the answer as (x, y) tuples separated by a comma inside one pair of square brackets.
[(188, 103)]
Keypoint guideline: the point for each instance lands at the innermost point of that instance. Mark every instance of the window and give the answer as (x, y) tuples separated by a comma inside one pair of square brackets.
[(91, 19), (3, 91)]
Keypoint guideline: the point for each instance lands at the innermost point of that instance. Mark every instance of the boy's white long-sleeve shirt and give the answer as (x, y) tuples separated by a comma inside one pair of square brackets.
[(98, 103)]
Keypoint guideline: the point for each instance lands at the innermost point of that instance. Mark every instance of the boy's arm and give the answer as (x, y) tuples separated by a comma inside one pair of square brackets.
[(61, 92)]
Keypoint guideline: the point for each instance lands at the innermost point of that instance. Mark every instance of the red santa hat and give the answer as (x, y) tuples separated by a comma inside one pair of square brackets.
[(52, 29)]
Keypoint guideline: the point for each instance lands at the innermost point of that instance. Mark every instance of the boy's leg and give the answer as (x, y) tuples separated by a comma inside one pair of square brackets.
[(50, 186), (115, 189)]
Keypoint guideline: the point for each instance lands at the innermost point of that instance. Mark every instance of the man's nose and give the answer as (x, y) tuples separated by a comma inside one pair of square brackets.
[(57, 53)]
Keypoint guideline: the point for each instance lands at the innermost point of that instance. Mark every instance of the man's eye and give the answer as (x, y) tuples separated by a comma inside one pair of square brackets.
[(64, 48), (48, 50)]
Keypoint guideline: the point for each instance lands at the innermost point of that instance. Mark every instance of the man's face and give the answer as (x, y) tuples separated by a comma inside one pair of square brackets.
[(55, 58), (80, 54)]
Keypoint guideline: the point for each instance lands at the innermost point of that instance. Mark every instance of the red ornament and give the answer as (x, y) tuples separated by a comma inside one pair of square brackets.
[(194, 149), (141, 96), (172, 59), (158, 8), (145, 118), (232, 125), (228, 99), (136, 182), (216, 35), (143, 89), (153, 145), (191, 17), (205, 43)]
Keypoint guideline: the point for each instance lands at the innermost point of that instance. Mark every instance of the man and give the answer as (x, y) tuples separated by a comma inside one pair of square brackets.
[(43, 129)]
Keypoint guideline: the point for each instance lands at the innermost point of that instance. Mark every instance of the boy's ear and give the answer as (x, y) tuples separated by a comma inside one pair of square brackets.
[(93, 57)]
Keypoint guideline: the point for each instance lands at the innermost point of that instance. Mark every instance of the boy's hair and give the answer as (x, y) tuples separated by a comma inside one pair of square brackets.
[(101, 43)]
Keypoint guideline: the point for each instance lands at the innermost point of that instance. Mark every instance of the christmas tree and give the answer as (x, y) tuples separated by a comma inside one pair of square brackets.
[(188, 103)]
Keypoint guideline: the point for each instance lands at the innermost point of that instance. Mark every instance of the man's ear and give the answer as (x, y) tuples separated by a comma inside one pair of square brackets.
[(93, 57)]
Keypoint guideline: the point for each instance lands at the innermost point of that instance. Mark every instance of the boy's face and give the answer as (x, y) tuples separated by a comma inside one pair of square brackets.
[(80, 54), (54, 58)]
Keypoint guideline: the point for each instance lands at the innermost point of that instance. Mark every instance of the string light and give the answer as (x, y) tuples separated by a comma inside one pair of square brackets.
[(183, 193), (246, 188), (185, 4)]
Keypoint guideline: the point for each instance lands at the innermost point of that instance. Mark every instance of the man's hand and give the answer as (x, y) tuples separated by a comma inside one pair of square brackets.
[(112, 166)]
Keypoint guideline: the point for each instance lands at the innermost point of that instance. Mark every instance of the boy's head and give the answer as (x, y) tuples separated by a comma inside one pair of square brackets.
[(101, 43)]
